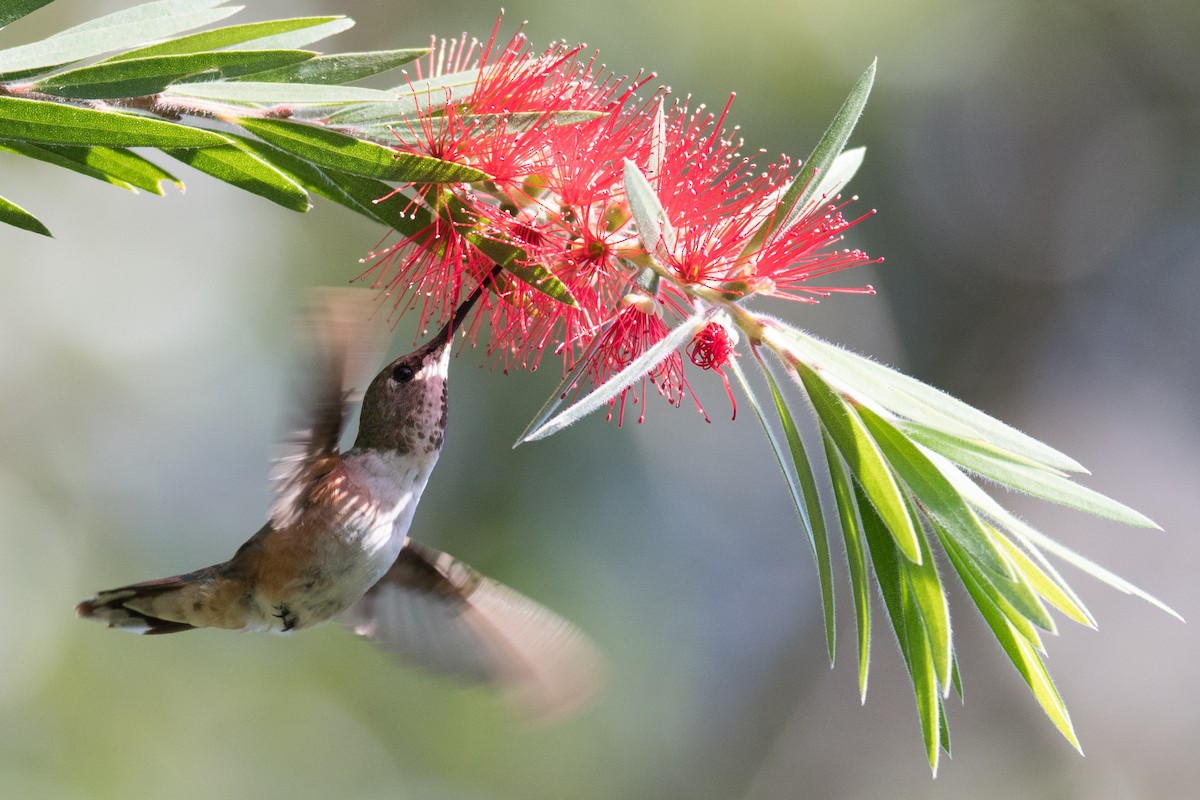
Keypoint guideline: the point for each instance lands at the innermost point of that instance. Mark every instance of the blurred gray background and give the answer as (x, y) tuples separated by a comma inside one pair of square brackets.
[(1034, 165)]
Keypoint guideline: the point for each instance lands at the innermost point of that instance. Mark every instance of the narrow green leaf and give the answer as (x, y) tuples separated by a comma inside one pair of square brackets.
[(928, 598), (271, 94), (612, 388), (116, 166), (1019, 604), (331, 149), (1045, 581), (654, 229), (235, 166), (55, 123), (864, 458), (1024, 657), (923, 671), (143, 76), (13, 10), (440, 89), (128, 28), (359, 194), (1019, 474), (804, 495), (299, 36), (1033, 539), (339, 68), (936, 493), (13, 214), (567, 385), (911, 399), (389, 130), (860, 587), (223, 37), (828, 148), (886, 559), (74, 162)]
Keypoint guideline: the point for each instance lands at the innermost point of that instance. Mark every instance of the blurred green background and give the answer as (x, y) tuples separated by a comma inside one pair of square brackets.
[(1035, 167)]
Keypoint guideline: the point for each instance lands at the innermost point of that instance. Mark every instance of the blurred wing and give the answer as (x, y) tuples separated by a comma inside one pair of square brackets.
[(344, 339), (434, 611)]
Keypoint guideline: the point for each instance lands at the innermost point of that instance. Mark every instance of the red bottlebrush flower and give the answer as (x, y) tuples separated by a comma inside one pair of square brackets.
[(552, 133), (712, 348)]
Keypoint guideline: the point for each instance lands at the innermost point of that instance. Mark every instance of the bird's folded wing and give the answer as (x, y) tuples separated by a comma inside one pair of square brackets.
[(343, 337), (434, 611)]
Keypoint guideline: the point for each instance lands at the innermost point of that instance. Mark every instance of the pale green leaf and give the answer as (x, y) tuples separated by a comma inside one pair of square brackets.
[(339, 68), (1033, 539), (266, 93), (121, 29), (224, 37), (922, 669), (1023, 476), (924, 588), (654, 229), (654, 355), (911, 399)]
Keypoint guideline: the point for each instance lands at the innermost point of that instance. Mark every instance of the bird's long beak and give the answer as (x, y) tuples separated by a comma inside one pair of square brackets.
[(446, 335)]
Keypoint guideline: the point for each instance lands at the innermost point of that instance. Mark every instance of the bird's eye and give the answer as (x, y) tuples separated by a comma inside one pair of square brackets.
[(403, 373)]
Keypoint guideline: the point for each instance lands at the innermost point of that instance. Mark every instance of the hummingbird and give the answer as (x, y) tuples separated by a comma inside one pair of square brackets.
[(336, 545)]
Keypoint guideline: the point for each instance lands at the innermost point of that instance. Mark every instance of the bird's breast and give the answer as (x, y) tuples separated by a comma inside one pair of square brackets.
[(351, 531)]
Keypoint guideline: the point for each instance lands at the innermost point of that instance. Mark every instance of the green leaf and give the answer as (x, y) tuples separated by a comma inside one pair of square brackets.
[(143, 76), (829, 147), (116, 166), (1020, 651), (13, 214), (937, 495), (1033, 539), (1023, 476), (359, 194), (272, 94), (568, 383), (922, 667), (339, 67), (299, 36), (1042, 578), (864, 458), (911, 399), (886, 559), (1016, 600), (852, 534), (235, 166), (223, 37), (635, 370), (128, 28), (55, 123), (389, 129), (13, 10), (928, 598), (337, 151), (654, 229), (803, 488)]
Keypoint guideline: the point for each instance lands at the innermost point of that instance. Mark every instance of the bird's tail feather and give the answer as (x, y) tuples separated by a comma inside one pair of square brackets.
[(164, 605)]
